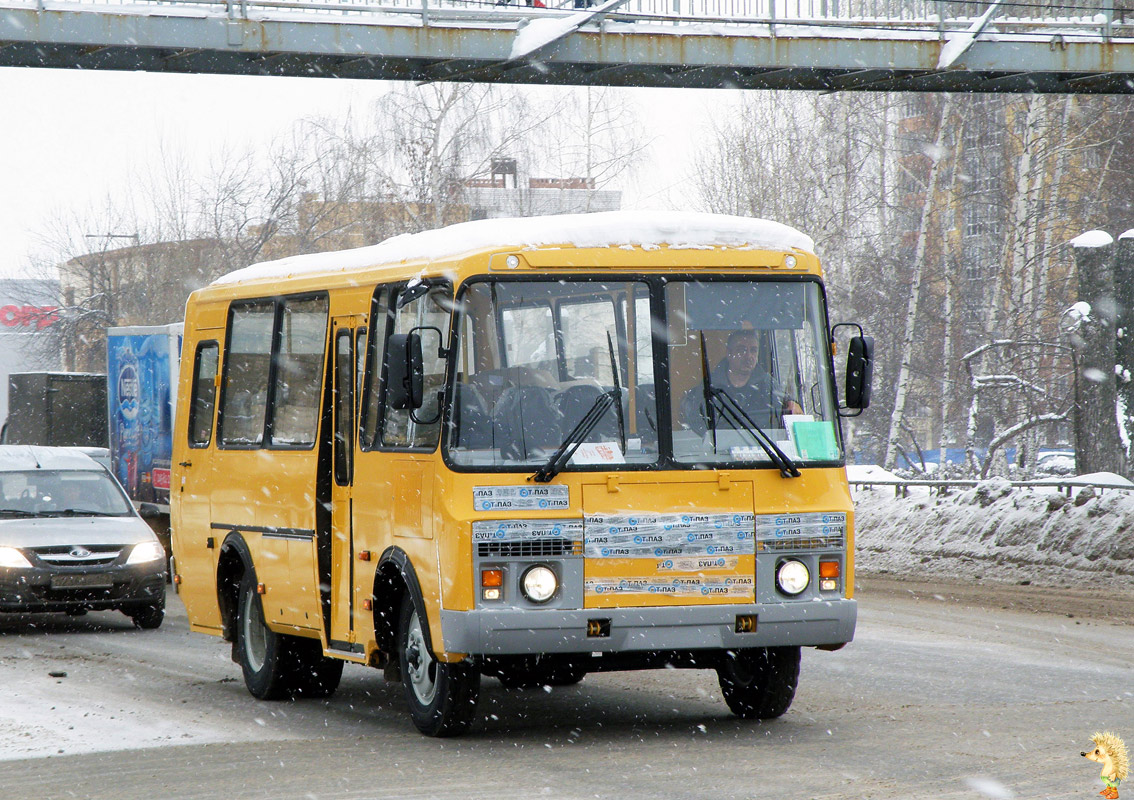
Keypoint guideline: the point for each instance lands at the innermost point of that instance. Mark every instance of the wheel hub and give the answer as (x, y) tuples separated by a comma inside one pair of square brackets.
[(419, 663)]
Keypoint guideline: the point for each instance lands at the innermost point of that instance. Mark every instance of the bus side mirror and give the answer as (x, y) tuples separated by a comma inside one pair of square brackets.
[(860, 372), (406, 375)]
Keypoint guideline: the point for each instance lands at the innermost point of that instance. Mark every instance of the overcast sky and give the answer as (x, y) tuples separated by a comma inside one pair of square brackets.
[(69, 137)]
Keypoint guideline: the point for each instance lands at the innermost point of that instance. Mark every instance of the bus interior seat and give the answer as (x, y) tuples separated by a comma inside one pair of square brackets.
[(470, 418), (576, 401), (526, 419)]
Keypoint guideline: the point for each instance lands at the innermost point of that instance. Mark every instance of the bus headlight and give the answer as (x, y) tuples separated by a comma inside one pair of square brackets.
[(539, 583), (792, 576)]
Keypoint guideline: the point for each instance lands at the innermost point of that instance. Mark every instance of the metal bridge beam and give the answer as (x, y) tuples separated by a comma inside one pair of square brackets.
[(201, 39)]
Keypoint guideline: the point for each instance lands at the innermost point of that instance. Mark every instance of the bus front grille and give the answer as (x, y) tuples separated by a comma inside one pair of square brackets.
[(835, 542), (538, 548)]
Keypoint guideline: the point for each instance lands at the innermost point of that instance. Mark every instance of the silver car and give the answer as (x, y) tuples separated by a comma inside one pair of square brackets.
[(70, 540)]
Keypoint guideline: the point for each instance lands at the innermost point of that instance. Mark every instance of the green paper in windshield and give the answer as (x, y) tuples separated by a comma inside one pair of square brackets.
[(815, 441)]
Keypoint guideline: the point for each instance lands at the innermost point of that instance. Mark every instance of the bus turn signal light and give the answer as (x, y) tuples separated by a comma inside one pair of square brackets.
[(492, 577), (828, 569)]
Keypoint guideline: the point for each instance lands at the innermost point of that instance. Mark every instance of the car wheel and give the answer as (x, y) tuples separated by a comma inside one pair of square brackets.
[(442, 696), (759, 683), (147, 617)]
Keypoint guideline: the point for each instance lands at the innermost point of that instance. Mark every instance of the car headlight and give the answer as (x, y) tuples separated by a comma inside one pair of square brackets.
[(539, 583), (146, 552), (11, 557), (792, 577)]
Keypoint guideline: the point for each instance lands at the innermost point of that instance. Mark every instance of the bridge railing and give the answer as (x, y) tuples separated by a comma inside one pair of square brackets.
[(930, 17)]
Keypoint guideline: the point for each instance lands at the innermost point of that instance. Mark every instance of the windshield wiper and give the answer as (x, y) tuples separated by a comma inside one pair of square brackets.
[(735, 413), (583, 428), (85, 512), (16, 512)]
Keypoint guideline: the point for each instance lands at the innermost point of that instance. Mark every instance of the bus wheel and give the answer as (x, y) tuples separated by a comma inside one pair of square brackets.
[(759, 683), (315, 674), (442, 697), (541, 675), (262, 651)]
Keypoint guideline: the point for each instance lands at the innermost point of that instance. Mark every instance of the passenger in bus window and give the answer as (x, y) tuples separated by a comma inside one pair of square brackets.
[(741, 375)]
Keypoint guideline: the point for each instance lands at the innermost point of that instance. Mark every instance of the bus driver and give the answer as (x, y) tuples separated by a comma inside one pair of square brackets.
[(741, 375)]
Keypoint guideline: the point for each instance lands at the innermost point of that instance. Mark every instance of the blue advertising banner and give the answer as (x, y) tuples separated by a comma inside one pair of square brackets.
[(141, 370)]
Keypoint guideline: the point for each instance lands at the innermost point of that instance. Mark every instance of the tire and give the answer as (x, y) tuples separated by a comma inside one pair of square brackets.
[(442, 696), (277, 666), (261, 651), (316, 675), (540, 675), (760, 683), (147, 617)]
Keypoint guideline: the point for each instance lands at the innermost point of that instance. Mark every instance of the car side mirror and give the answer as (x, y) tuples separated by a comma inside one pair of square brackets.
[(148, 511), (405, 384)]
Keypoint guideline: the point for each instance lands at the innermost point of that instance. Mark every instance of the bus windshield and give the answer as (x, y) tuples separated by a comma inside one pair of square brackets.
[(543, 365)]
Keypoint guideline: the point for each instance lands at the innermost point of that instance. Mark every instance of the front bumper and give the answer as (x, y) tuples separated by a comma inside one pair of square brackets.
[(679, 628), (40, 589)]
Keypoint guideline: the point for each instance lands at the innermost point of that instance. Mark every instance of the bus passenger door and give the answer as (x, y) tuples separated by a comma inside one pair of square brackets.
[(195, 543), (341, 635)]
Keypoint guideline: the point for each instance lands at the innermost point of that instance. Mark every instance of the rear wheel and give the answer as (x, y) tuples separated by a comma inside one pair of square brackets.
[(277, 666), (315, 674), (260, 649), (537, 675), (760, 683), (442, 696)]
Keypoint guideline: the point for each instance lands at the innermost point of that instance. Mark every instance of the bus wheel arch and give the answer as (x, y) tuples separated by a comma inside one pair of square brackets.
[(394, 578), (442, 696), (234, 561)]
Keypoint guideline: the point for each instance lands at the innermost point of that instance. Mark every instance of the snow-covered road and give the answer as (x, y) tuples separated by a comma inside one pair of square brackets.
[(935, 698)]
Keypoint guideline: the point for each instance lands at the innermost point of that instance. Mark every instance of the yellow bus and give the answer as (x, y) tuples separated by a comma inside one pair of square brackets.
[(527, 449)]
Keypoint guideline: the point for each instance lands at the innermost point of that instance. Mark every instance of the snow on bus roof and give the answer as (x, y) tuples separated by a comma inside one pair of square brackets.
[(676, 229)]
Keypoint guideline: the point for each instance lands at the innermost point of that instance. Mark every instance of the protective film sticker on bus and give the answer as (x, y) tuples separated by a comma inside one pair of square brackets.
[(527, 530), (521, 498), (740, 586), (790, 526), (668, 535)]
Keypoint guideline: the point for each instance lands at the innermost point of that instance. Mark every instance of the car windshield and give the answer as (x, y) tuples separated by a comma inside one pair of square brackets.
[(547, 365), (50, 493)]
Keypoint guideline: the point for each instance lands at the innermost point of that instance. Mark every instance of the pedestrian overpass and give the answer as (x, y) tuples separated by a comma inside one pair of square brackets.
[(832, 45)]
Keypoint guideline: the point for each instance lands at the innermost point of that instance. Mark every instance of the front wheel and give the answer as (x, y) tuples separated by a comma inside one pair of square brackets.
[(442, 696), (148, 617), (760, 683)]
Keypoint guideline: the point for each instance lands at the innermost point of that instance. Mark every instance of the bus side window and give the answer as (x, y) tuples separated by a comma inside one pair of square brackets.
[(344, 407), (375, 353), (401, 428), (204, 394), (299, 371), (244, 400)]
